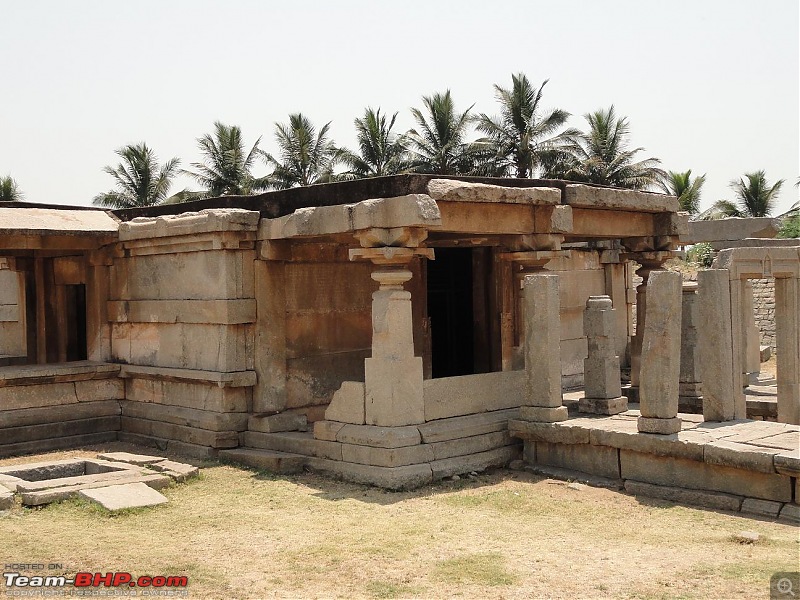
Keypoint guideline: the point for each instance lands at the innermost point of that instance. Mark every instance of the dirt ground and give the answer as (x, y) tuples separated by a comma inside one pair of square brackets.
[(238, 533)]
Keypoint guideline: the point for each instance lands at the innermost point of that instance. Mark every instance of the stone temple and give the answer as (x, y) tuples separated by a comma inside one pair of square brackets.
[(398, 330)]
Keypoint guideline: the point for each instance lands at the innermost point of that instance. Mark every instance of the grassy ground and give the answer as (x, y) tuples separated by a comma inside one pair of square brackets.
[(242, 534)]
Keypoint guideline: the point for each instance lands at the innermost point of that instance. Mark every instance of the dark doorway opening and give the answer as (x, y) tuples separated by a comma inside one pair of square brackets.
[(75, 309), (458, 311)]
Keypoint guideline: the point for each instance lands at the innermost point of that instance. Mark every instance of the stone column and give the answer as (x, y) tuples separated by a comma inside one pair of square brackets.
[(714, 337), (601, 367), (648, 264), (542, 347), (393, 375), (690, 386), (661, 355), (787, 348)]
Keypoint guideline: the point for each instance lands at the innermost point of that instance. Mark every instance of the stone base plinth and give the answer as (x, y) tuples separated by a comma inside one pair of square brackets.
[(603, 406), (543, 414), (662, 426)]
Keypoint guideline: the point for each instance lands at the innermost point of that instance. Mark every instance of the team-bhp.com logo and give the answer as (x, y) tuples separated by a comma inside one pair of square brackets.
[(95, 580)]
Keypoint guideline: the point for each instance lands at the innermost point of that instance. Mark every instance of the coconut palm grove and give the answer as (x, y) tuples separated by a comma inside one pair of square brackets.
[(523, 139)]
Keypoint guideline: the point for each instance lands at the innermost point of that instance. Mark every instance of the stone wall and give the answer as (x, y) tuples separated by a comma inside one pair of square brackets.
[(12, 338), (182, 309), (764, 308)]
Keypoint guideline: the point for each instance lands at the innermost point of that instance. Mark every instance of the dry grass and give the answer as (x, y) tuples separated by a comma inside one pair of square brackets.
[(243, 534)]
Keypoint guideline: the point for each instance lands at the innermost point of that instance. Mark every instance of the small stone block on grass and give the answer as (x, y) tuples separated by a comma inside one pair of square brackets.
[(6, 499), (128, 495), (178, 471)]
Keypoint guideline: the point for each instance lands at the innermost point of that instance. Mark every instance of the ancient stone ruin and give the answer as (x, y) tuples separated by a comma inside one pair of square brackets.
[(391, 331)]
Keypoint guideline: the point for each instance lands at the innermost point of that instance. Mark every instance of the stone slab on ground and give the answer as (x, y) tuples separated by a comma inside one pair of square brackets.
[(127, 457), (6, 499), (37, 498), (178, 471), (276, 423), (273, 461), (127, 495)]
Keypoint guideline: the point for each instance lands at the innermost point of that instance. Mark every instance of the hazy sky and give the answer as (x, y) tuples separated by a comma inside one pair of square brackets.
[(710, 85)]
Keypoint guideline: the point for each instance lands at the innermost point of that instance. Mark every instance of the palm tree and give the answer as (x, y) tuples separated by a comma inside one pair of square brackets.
[(9, 190), (305, 156), (754, 198), (685, 188), (139, 179), (439, 146), (379, 151), (225, 170), (521, 134), (602, 155)]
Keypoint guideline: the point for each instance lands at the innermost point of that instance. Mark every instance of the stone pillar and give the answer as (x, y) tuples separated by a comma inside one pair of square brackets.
[(542, 347), (601, 368), (269, 362), (661, 355), (714, 335), (787, 348), (393, 375), (647, 266), (690, 386)]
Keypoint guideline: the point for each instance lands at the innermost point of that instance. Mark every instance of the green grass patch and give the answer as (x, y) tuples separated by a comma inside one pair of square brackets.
[(480, 568)]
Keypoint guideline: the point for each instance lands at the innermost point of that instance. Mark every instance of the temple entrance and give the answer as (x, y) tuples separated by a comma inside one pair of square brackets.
[(458, 301)]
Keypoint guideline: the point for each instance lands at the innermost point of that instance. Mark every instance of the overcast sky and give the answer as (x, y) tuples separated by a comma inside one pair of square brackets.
[(708, 85)]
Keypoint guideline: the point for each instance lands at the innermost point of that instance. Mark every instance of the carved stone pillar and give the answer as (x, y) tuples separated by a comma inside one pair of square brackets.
[(393, 394), (601, 368)]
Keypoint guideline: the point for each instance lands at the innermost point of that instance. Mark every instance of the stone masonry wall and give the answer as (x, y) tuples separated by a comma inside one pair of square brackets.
[(764, 308)]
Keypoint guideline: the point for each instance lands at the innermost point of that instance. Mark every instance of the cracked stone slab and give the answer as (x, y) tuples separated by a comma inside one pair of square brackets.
[(128, 495), (133, 459)]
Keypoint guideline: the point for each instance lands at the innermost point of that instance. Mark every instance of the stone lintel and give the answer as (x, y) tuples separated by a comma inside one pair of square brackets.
[(190, 223), (585, 196), (464, 191), (412, 210)]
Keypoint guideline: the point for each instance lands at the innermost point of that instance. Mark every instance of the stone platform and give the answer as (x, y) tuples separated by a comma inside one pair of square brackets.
[(748, 466)]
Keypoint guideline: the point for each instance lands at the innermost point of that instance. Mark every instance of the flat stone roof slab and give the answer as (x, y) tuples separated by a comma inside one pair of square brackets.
[(43, 221), (128, 495)]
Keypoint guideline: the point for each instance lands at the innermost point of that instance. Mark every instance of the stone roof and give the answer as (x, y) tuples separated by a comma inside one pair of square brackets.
[(50, 221)]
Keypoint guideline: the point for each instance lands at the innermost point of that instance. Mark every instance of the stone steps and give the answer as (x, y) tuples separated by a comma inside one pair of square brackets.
[(273, 461)]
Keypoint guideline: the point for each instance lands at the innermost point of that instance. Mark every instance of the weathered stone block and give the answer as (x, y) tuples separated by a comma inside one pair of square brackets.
[(740, 456), (471, 445), (387, 457), (348, 404), (394, 392), (762, 508), (790, 513), (543, 414), (554, 433), (266, 460), (685, 496), (281, 422), (594, 460), (327, 430), (392, 478), (448, 397), (474, 462), (459, 427), (604, 406), (678, 472), (379, 437), (659, 425)]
